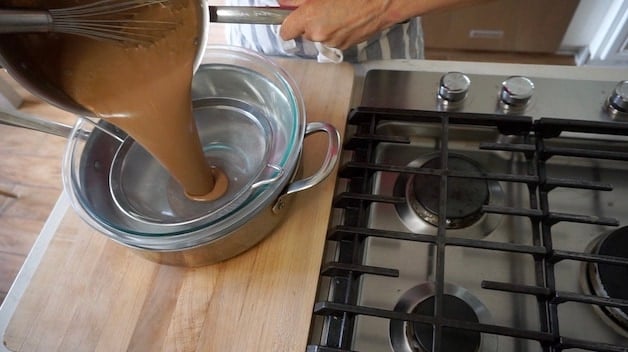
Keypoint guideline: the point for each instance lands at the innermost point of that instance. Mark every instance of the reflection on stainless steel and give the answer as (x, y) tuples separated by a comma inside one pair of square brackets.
[(466, 197), (618, 102), (608, 280), (459, 304), (146, 193), (619, 98), (453, 87), (516, 91), (556, 179)]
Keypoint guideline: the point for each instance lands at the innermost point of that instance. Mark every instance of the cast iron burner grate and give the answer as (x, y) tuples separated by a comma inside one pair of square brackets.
[(522, 135)]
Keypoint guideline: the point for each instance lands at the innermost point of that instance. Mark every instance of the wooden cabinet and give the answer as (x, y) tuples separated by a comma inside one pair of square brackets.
[(501, 25)]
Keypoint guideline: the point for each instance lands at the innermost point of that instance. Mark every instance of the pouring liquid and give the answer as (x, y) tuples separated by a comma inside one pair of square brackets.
[(144, 89)]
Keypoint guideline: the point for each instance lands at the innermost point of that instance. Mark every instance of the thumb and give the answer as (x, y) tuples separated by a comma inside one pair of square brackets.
[(293, 25)]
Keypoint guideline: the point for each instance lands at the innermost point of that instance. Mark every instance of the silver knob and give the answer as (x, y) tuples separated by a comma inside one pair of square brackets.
[(454, 86), (516, 91), (619, 98)]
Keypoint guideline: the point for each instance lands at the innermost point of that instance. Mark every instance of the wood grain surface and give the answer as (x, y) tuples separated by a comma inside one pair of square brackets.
[(30, 167), (91, 294)]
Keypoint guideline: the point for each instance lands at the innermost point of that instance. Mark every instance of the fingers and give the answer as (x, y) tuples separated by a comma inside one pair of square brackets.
[(293, 26), (309, 20), (326, 22)]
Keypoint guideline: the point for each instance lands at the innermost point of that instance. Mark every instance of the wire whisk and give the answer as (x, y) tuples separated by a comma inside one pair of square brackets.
[(112, 20)]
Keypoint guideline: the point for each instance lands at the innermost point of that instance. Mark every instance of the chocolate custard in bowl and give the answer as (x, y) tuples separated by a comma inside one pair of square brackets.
[(143, 88)]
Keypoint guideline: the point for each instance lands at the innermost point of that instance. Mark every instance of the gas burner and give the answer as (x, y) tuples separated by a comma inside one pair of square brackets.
[(465, 198), (609, 281), (458, 304)]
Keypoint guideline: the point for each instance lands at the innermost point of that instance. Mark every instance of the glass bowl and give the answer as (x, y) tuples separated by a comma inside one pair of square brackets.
[(246, 107)]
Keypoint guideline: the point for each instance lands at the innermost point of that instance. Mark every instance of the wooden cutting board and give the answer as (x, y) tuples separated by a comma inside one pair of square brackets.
[(91, 294)]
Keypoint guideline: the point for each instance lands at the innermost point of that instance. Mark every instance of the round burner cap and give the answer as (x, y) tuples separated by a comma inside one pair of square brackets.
[(465, 196), (455, 340), (458, 303), (614, 278)]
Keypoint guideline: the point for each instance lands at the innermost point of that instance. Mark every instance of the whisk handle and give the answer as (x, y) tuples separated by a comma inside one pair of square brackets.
[(25, 21), (248, 14)]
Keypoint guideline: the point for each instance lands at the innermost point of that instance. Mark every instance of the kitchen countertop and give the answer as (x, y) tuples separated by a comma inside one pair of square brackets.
[(260, 300)]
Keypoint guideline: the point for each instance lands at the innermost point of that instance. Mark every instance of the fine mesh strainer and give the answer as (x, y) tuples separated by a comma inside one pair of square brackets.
[(236, 138)]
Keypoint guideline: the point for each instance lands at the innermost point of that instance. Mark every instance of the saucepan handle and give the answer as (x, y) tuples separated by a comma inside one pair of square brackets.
[(331, 158), (20, 119), (248, 14)]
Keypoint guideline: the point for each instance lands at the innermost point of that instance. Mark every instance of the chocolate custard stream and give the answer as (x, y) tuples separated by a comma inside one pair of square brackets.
[(144, 89)]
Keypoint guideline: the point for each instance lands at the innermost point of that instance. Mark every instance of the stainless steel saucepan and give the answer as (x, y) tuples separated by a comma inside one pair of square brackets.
[(34, 83)]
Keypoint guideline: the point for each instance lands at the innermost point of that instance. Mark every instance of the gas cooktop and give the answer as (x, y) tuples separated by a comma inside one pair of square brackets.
[(479, 213)]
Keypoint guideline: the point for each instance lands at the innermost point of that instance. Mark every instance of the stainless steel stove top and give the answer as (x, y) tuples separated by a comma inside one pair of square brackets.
[(469, 267), (529, 173)]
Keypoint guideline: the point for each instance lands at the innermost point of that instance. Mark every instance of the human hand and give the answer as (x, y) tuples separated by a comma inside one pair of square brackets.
[(336, 23), (343, 23)]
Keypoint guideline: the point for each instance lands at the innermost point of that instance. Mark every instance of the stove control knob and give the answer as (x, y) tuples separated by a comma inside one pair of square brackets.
[(516, 91), (454, 87), (618, 100)]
